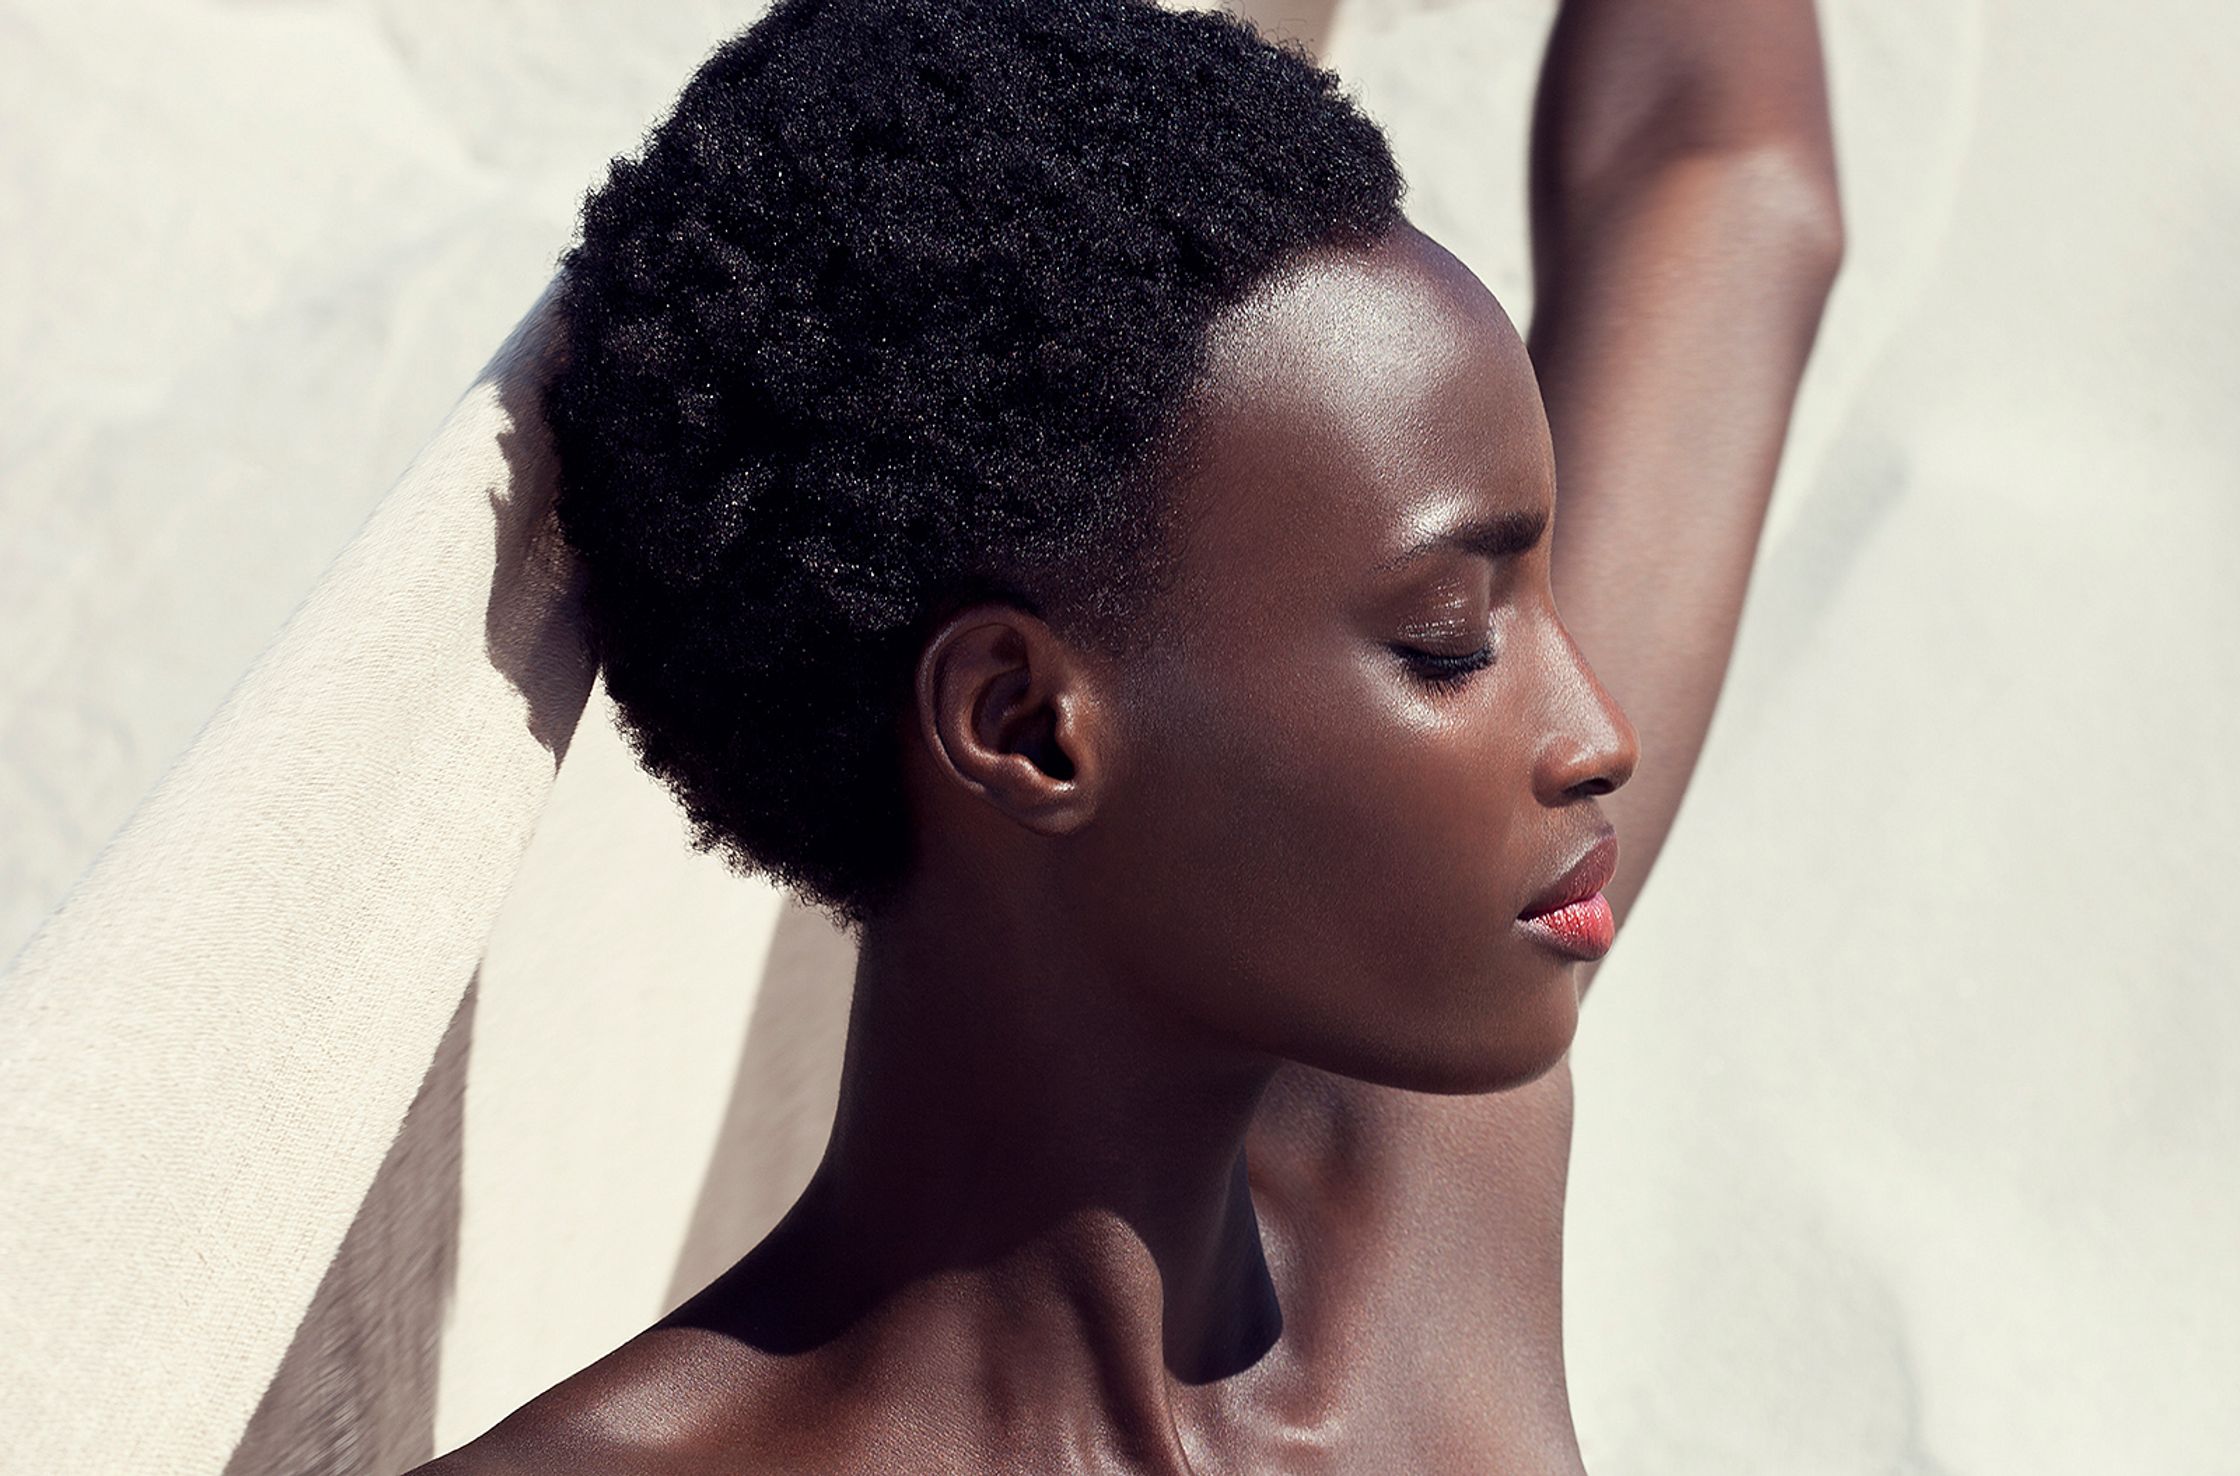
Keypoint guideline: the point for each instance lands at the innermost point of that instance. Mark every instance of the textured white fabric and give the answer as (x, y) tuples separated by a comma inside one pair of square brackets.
[(205, 1055), (1905, 1108)]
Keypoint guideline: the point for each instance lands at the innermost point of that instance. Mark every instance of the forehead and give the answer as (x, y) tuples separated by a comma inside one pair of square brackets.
[(1350, 405)]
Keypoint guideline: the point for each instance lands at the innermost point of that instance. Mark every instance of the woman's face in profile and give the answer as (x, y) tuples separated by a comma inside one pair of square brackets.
[(1367, 748)]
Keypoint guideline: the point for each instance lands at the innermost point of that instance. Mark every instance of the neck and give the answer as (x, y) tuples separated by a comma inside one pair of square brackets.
[(1032, 1173)]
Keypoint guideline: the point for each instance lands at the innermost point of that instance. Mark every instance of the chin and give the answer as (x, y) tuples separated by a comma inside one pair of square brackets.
[(1513, 1048), (1504, 1076)]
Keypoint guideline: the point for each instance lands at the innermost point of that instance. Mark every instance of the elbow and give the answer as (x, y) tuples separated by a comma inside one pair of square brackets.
[(1769, 206), (1815, 215), (1792, 196), (1773, 202)]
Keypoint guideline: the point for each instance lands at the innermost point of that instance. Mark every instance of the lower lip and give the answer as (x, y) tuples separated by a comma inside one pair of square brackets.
[(1583, 929)]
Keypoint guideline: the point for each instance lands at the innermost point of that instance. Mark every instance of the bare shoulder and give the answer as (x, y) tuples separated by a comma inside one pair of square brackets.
[(670, 1402)]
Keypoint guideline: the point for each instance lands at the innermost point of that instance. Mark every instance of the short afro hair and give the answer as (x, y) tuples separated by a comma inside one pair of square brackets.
[(901, 307)]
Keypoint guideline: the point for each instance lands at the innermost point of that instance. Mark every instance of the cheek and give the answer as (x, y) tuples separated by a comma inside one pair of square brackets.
[(1343, 872)]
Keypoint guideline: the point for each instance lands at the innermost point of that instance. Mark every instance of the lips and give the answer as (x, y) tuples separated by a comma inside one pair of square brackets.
[(1572, 916)]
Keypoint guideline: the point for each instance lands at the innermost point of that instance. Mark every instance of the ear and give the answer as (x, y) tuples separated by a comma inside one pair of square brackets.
[(1012, 713)]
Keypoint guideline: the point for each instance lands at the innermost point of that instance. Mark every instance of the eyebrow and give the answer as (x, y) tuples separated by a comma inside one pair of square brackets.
[(1495, 537)]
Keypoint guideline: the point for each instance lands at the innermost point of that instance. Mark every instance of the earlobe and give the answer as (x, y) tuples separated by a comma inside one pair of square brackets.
[(1002, 710)]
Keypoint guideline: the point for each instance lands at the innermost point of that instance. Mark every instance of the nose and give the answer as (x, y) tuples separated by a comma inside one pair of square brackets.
[(1591, 748)]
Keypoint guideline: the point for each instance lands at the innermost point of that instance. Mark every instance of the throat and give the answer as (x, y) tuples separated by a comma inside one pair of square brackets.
[(1021, 1207)]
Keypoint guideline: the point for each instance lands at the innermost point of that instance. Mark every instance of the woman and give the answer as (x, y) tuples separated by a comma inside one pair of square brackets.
[(1044, 502)]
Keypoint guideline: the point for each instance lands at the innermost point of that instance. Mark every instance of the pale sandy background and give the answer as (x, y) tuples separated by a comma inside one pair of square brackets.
[(1908, 1114)]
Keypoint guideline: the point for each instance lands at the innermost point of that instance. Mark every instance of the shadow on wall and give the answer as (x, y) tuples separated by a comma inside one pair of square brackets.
[(533, 624), (782, 1097), (356, 1392)]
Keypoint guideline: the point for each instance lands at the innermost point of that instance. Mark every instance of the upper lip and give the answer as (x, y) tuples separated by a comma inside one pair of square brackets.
[(1585, 877)]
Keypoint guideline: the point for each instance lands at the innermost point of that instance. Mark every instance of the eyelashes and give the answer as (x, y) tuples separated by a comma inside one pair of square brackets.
[(1437, 670)]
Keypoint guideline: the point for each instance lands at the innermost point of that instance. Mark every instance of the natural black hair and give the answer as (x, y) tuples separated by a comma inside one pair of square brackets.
[(901, 307)]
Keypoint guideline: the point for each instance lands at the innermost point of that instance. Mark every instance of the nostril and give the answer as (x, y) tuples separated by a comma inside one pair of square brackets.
[(1590, 788)]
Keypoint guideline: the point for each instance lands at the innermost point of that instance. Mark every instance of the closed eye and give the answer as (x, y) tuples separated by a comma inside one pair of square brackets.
[(1440, 670)]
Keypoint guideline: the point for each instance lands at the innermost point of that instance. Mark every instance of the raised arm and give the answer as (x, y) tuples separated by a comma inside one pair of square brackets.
[(1685, 231)]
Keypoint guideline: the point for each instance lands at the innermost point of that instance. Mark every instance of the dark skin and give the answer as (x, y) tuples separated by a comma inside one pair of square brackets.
[(1256, 883)]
